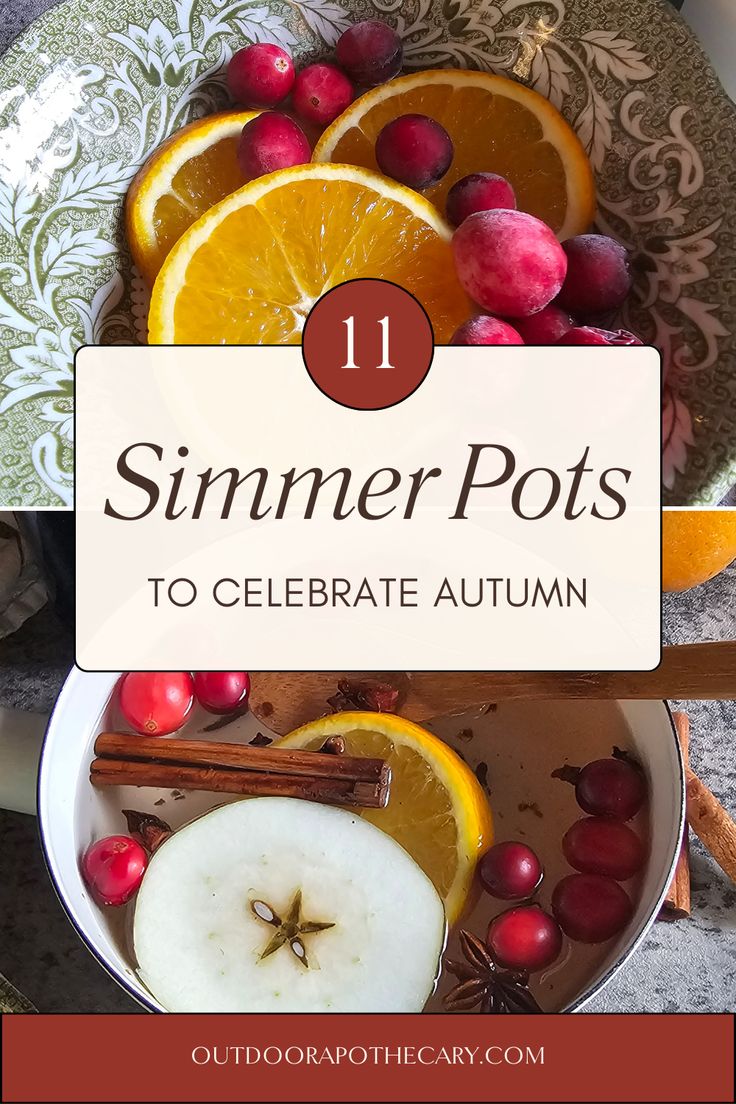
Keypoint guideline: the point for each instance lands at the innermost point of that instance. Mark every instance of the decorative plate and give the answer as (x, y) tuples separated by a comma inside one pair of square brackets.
[(92, 88)]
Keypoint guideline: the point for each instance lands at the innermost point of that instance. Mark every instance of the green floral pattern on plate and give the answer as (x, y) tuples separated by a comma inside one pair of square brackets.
[(95, 85)]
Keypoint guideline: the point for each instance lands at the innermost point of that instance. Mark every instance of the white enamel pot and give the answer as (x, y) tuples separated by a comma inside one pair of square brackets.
[(71, 813)]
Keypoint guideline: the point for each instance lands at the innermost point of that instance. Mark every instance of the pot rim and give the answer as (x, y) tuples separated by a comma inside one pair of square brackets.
[(149, 1004)]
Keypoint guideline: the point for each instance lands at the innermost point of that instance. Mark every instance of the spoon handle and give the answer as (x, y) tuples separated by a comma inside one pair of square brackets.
[(284, 700), (686, 671)]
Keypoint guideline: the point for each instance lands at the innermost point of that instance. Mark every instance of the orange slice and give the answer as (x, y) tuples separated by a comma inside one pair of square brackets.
[(190, 172), (696, 545), (437, 810), (496, 125), (249, 271)]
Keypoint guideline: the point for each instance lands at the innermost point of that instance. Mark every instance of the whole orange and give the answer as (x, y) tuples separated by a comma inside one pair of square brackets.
[(696, 545)]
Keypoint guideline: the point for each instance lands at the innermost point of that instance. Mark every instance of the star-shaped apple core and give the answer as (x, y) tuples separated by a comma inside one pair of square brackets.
[(290, 931)]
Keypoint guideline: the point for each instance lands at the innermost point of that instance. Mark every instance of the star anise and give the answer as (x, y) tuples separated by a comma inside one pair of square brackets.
[(482, 983)]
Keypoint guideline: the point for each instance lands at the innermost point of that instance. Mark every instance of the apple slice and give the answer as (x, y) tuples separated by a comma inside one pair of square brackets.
[(279, 905)]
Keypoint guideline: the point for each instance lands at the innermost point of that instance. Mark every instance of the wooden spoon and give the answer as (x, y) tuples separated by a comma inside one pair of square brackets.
[(284, 700)]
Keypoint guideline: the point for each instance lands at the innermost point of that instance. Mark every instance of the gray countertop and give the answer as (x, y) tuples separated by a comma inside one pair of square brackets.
[(689, 966)]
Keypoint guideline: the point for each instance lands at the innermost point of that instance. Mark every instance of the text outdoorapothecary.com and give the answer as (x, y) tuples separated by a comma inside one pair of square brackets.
[(369, 1055)]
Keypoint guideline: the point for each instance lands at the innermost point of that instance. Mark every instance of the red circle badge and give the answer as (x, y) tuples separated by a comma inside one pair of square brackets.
[(367, 344)]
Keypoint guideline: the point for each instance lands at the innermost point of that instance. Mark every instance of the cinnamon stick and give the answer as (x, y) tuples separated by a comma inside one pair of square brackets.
[(335, 779), (330, 791), (711, 824), (676, 905), (243, 757)]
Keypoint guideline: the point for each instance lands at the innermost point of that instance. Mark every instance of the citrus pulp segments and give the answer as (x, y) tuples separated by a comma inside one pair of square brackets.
[(437, 809), (190, 172), (250, 269), (496, 124)]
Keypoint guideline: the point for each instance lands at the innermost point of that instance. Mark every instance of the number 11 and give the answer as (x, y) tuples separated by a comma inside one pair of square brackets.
[(349, 324)]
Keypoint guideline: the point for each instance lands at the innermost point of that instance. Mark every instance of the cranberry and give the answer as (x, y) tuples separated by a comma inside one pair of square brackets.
[(370, 52), (524, 938), (508, 262), (113, 868), (599, 845), (546, 327), (611, 788), (321, 93), (510, 871), (478, 192), (415, 150), (221, 691), (270, 142), (156, 703), (598, 276), (584, 335), (484, 329), (591, 908), (260, 75), (592, 335)]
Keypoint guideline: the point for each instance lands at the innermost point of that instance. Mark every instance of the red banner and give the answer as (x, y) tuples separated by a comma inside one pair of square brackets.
[(368, 1058)]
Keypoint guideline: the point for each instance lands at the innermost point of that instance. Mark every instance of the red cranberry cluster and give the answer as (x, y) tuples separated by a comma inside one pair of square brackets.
[(589, 906), (513, 266), (155, 703), (263, 76), (532, 289)]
